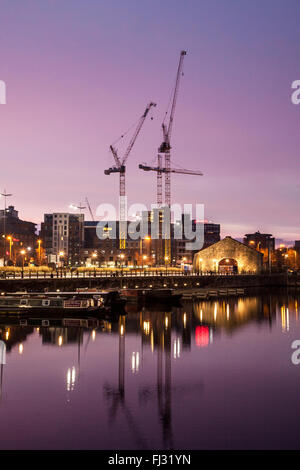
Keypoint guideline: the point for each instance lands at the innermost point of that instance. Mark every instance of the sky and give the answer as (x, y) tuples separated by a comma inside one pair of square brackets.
[(79, 74)]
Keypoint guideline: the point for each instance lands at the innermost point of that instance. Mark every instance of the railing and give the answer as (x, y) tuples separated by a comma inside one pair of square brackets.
[(64, 274)]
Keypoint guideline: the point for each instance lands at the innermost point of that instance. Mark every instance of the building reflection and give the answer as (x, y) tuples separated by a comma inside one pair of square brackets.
[(13, 335), (167, 336), (61, 336), (2, 363)]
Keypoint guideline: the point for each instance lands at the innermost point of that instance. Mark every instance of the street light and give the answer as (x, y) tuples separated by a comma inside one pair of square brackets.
[(143, 259), (122, 256), (215, 261), (39, 251), (9, 238), (94, 256), (61, 255), (5, 195), (147, 239), (23, 252)]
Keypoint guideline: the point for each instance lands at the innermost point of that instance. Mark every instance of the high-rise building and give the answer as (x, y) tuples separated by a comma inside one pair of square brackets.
[(63, 237)]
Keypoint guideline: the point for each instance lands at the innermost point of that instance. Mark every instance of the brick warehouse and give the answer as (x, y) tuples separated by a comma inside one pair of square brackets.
[(228, 256)]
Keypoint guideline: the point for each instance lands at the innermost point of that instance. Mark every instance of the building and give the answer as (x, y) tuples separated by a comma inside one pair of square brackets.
[(19, 235), (297, 254), (228, 256), (147, 250), (106, 252), (211, 235), (62, 235), (260, 241), (97, 251), (263, 242)]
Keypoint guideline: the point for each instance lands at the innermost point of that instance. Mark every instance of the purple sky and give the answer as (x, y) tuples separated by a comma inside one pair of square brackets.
[(79, 73)]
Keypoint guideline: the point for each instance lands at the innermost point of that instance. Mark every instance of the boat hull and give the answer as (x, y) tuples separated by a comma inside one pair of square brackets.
[(52, 311)]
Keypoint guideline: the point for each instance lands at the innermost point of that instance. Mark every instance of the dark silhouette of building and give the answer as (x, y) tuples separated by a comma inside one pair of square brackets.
[(260, 241), (22, 234)]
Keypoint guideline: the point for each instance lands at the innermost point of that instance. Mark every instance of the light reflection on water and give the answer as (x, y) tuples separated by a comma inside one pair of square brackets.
[(214, 374)]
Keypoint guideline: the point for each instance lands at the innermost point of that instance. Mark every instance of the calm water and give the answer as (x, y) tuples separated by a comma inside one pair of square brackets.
[(206, 376)]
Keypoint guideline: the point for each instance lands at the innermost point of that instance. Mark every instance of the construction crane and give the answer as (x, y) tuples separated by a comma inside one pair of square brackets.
[(182, 171), (120, 167), (90, 210), (160, 171), (165, 147)]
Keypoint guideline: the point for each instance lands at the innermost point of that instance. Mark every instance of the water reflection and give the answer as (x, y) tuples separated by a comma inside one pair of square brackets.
[(140, 373)]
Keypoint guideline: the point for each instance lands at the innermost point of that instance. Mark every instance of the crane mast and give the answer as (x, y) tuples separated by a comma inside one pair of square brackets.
[(166, 170), (165, 147), (120, 167), (90, 209)]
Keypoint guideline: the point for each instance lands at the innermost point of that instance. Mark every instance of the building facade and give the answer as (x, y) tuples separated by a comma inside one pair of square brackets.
[(150, 249), (63, 237), (228, 256)]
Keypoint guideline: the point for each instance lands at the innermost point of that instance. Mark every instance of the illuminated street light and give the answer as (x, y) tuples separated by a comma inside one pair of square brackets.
[(61, 254), (5, 195), (23, 252), (9, 238), (39, 251)]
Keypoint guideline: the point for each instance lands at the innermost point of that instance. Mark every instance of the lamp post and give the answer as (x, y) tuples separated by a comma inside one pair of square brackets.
[(143, 259), (201, 266), (9, 238), (166, 263), (39, 251), (23, 252), (215, 265), (61, 255), (147, 239), (295, 252), (94, 256), (29, 250), (5, 195)]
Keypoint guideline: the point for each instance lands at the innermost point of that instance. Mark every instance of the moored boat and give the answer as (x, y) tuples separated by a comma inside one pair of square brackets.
[(48, 304), (109, 300)]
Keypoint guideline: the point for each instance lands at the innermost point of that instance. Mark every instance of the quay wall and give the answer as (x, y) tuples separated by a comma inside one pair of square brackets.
[(175, 282)]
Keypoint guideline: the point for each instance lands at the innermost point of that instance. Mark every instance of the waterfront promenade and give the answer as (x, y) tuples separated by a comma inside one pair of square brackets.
[(62, 280)]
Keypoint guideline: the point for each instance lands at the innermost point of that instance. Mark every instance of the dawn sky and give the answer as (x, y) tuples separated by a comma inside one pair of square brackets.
[(78, 74)]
